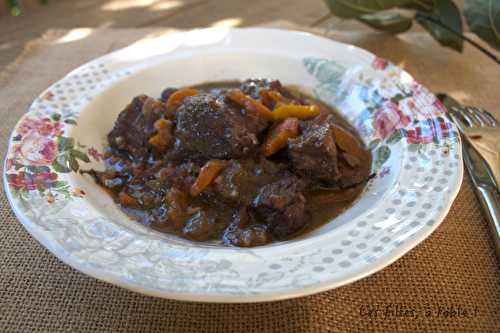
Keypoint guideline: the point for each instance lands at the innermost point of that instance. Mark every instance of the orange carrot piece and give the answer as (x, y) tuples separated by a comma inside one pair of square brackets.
[(162, 124), (208, 172), (296, 111), (250, 104), (279, 135), (272, 98), (278, 97), (176, 98), (177, 204), (163, 135)]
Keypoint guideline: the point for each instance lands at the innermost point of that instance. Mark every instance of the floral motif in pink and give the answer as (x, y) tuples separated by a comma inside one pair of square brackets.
[(388, 118)]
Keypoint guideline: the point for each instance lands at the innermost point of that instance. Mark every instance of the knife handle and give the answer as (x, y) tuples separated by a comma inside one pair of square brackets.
[(491, 207)]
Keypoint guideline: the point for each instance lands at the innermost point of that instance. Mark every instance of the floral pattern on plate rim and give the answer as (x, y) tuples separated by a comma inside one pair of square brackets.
[(40, 152), (399, 112)]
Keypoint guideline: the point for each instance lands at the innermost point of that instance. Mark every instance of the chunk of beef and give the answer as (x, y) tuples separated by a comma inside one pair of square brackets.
[(240, 181), (313, 153), (252, 87), (209, 128), (351, 176), (242, 231), (253, 235), (181, 176), (134, 126), (283, 206)]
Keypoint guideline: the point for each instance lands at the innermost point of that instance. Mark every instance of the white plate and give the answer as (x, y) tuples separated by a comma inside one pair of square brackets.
[(417, 159)]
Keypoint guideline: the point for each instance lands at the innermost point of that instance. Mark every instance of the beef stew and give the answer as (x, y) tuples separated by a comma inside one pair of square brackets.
[(234, 163)]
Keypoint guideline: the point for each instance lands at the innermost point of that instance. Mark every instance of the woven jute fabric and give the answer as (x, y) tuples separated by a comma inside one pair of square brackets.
[(449, 283)]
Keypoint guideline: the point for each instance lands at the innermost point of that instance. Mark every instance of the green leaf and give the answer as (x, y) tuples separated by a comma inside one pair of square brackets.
[(444, 24), (382, 155), (64, 143), (483, 18), (397, 98), (422, 5), (70, 121), (60, 167), (37, 169), (374, 143), (80, 155), (356, 8), (55, 116), (393, 23), (59, 184), (73, 163), (395, 137)]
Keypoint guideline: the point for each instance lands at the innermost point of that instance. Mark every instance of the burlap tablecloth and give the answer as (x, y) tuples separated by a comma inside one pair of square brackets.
[(451, 282)]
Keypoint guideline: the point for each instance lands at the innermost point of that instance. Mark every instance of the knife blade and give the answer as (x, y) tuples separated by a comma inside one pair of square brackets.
[(482, 178)]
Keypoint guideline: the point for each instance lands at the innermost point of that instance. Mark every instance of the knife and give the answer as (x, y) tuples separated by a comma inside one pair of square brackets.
[(482, 178)]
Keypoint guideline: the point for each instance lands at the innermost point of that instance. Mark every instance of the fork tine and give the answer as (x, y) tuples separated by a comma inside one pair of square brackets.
[(459, 116), (470, 120), (455, 117), (488, 117), (476, 116)]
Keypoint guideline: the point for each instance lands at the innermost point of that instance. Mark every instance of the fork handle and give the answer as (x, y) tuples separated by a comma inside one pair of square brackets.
[(491, 207)]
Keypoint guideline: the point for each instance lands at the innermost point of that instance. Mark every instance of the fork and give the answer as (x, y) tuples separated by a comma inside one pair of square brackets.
[(473, 123), (483, 132)]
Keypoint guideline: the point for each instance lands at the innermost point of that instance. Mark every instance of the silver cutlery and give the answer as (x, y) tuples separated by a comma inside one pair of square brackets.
[(483, 132), (485, 185)]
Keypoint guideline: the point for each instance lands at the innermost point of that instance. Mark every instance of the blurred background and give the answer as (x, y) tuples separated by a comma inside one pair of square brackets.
[(23, 20)]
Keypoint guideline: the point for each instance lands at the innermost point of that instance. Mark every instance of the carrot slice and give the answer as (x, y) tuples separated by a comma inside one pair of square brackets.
[(278, 97), (250, 104), (163, 135), (208, 172), (346, 141), (176, 98), (278, 136), (177, 203), (272, 98), (296, 111)]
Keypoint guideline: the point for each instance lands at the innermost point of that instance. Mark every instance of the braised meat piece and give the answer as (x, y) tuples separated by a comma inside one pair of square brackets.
[(134, 127), (313, 153), (253, 86), (240, 181), (253, 235), (244, 231), (208, 128), (182, 176), (282, 205)]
